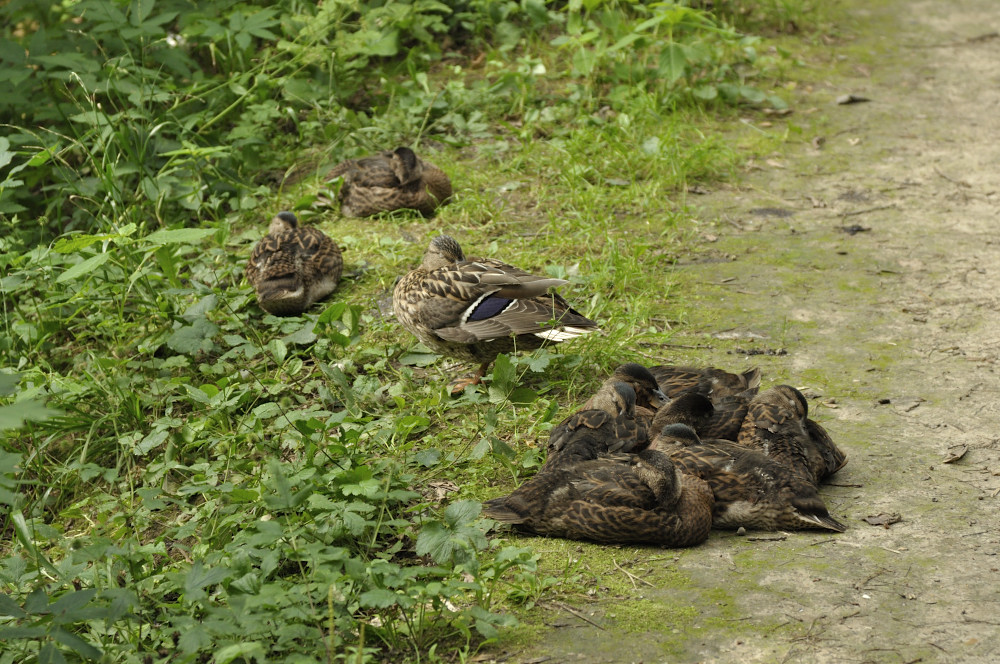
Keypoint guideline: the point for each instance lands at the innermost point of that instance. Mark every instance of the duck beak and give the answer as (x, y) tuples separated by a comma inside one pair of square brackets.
[(826, 522), (661, 398)]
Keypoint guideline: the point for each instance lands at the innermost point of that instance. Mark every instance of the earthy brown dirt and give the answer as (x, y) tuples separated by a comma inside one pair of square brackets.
[(893, 330)]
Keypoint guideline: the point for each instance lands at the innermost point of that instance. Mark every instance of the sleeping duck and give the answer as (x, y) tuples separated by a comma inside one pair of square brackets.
[(390, 180), (292, 267), (626, 498), (777, 425)]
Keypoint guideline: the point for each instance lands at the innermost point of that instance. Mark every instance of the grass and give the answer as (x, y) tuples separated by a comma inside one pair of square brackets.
[(190, 479)]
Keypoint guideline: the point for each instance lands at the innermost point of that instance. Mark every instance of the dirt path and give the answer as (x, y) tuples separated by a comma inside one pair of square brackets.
[(893, 329)]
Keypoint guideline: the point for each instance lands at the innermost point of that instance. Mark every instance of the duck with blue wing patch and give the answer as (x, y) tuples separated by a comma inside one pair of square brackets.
[(475, 309)]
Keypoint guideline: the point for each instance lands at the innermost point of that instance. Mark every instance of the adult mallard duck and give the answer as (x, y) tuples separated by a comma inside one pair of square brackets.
[(710, 381), (777, 425), (627, 498), (293, 267), (390, 180), (609, 425), (475, 309), (750, 489)]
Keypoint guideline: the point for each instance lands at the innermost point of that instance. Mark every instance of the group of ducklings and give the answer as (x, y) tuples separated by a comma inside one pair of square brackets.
[(657, 455), (661, 455)]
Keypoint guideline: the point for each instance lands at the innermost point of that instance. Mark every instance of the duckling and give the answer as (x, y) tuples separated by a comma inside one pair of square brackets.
[(608, 426), (709, 381), (619, 499), (293, 267), (750, 489), (475, 309), (777, 425), (712, 418), (648, 396), (390, 180)]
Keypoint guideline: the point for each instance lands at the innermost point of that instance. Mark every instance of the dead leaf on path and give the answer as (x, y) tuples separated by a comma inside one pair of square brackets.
[(955, 453), (440, 490), (884, 519)]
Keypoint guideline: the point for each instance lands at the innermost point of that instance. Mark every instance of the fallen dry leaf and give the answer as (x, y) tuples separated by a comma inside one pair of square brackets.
[(884, 519), (955, 453)]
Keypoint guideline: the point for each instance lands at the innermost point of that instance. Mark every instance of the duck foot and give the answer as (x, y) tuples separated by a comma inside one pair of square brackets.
[(457, 386)]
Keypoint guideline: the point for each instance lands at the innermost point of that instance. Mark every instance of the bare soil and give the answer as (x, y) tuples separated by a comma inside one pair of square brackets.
[(868, 252)]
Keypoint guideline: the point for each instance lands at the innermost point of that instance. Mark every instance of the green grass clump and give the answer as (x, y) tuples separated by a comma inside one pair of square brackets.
[(186, 478)]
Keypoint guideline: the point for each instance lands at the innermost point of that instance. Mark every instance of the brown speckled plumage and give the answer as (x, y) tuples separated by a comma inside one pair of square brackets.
[(648, 396), (777, 425), (476, 309), (711, 382), (751, 490), (609, 425), (619, 499), (292, 267), (711, 417), (390, 180)]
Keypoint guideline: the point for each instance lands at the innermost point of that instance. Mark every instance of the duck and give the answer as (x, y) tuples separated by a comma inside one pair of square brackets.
[(476, 309), (608, 426), (390, 180), (648, 396), (710, 381), (293, 266), (626, 498), (712, 418), (750, 490), (778, 426)]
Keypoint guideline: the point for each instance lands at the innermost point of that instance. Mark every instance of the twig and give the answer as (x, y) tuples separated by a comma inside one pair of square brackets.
[(569, 609), (832, 539), (867, 210), (631, 576), (960, 183)]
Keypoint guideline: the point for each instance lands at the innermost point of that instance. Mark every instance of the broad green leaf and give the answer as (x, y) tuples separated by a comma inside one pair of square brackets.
[(178, 235), (75, 643), (522, 395), (673, 62), (200, 577), (49, 654), (83, 267), (27, 539), (70, 602), (418, 359), (9, 607), (14, 417), (151, 441), (244, 652), (378, 598), (462, 512), (193, 338)]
